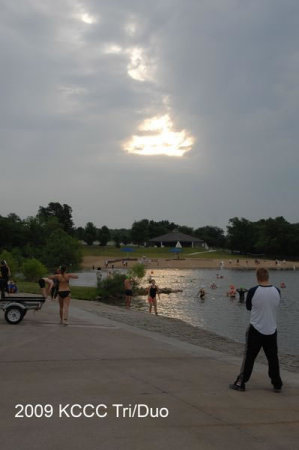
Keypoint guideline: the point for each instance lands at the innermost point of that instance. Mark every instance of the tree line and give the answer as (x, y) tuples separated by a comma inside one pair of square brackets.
[(52, 238)]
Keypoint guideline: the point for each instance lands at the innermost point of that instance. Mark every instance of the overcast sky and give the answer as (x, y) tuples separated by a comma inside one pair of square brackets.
[(184, 110)]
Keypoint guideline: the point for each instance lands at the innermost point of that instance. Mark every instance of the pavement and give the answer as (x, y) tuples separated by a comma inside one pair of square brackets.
[(99, 384)]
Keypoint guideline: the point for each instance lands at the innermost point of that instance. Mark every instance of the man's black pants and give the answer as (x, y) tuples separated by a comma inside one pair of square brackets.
[(254, 342)]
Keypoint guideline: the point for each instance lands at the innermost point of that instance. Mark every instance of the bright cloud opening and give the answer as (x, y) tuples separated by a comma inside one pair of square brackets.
[(130, 28), (113, 49), (86, 18), (157, 137), (139, 67)]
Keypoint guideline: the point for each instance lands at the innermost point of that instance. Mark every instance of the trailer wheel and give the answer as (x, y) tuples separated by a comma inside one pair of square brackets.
[(14, 314)]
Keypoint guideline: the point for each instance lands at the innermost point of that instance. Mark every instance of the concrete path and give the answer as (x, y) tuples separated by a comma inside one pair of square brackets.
[(95, 361)]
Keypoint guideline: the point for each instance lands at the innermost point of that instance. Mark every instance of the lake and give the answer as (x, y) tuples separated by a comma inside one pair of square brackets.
[(217, 312)]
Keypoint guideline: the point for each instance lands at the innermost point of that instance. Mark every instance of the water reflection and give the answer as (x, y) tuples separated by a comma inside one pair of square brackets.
[(217, 312)]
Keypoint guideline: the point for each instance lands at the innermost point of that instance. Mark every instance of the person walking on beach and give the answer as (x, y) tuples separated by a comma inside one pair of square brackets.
[(263, 301), (128, 284), (153, 291), (64, 292)]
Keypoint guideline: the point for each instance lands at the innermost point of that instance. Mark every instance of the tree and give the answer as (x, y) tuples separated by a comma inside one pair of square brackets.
[(80, 233), (186, 230), (60, 248), (12, 232), (104, 235), (139, 232), (62, 212), (90, 233), (213, 236), (242, 235)]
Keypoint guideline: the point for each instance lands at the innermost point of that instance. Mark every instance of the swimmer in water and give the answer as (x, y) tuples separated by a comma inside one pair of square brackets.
[(153, 291), (201, 293)]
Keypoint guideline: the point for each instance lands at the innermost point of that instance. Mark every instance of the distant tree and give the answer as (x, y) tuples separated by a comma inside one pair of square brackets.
[(242, 235), (12, 232), (63, 213), (61, 248), (104, 235), (275, 236), (213, 236), (139, 231), (80, 233), (90, 233), (186, 230), (159, 228)]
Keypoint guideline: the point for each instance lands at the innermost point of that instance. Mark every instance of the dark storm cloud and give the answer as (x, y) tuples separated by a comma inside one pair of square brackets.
[(229, 70)]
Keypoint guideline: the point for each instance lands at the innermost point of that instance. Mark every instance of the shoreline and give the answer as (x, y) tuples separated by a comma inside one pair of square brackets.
[(176, 328), (89, 262)]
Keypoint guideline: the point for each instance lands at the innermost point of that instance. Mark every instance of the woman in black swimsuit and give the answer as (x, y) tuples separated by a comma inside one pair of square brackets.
[(153, 291), (64, 293)]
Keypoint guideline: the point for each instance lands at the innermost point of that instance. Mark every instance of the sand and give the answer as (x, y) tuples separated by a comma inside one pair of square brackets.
[(193, 263)]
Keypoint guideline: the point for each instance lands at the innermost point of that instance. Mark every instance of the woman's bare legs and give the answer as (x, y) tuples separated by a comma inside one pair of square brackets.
[(64, 304)]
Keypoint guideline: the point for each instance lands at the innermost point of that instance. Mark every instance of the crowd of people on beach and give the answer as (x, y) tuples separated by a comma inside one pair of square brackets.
[(262, 300)]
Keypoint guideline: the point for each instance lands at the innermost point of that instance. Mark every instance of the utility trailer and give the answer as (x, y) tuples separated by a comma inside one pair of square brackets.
[(16, 306)]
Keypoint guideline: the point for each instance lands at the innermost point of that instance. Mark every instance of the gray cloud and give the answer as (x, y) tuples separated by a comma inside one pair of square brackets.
[(229, 70)]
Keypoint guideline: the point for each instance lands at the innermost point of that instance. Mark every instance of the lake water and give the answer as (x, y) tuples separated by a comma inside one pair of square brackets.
[(218, 313)]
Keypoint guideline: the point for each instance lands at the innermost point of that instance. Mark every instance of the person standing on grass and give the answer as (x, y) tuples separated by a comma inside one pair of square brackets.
[(263, 301), (153, 291), (64, 292)]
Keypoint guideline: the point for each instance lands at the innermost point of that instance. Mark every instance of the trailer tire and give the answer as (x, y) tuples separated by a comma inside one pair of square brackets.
[(14, 315)]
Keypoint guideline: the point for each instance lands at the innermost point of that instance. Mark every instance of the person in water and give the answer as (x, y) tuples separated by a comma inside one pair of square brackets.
[(64, 292), (153, 291), (201, 293), (242, 291), (128, 286)]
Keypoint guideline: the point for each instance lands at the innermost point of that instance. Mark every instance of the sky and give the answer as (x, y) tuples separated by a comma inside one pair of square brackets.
[(179, 110)]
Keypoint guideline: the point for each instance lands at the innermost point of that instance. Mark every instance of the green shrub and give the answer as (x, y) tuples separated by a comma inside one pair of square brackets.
[(112, 286), (137, 271), (33, 269)]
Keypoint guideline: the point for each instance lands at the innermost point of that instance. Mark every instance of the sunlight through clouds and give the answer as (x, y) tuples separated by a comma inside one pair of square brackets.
[(157, 137), (86, 18), (139, 67)]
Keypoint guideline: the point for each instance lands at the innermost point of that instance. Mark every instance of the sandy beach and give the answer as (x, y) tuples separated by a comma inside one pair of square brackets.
[(192, 263)]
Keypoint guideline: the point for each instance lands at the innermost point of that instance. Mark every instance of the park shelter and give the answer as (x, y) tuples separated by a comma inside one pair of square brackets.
[(171, 240)]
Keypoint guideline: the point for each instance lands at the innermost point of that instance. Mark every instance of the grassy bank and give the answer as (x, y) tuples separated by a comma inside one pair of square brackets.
[(79, 292), (154, 253)]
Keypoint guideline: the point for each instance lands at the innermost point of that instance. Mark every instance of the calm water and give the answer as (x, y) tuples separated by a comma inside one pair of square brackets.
[(217, 312)]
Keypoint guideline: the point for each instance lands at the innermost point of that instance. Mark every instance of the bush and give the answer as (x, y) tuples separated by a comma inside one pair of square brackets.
[(137, 271), (61, 249), (33, 269), (112, 286)]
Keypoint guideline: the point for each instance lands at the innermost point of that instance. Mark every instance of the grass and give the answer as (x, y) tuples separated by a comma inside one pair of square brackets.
[(152, 252), (79, 292)]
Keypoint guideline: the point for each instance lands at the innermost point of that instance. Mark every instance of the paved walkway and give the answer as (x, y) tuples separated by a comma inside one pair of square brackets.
[(96, 361)]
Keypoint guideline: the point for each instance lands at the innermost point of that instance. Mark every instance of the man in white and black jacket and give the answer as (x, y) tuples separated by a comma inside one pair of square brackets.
[(263, 301)]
